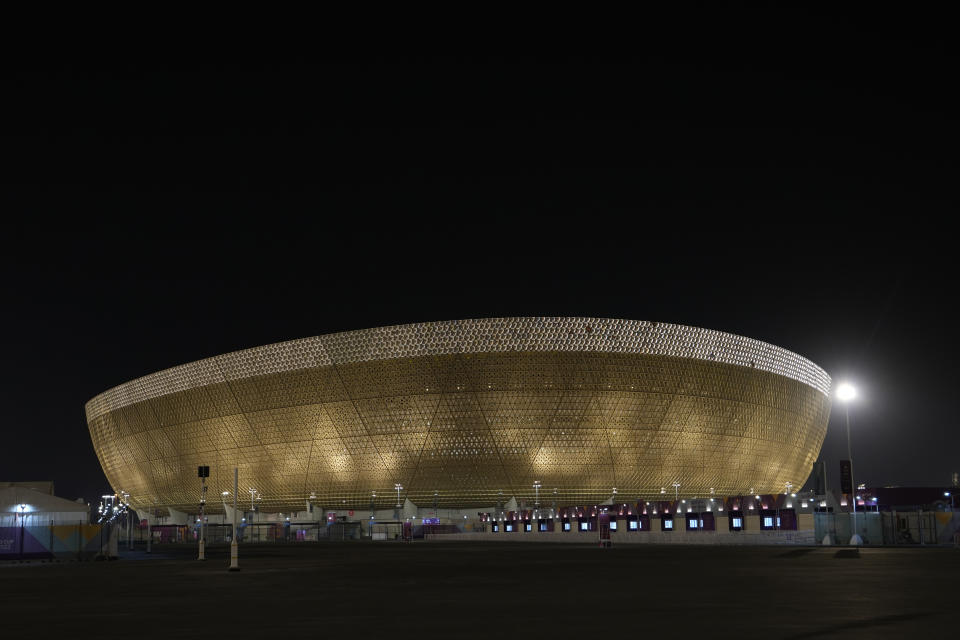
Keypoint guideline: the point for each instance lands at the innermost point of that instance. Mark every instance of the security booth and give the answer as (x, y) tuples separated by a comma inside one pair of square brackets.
[(615, 522), (603, 527), (735, 521), (545, 525), (640, 522), (769, 520), (788, 519), (778, 519), (524, 523), (666, 522), (586, 523), (707, 521)]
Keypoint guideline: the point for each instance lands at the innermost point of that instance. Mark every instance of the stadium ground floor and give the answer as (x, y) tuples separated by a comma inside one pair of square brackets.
[(469, 590), (797, 521)]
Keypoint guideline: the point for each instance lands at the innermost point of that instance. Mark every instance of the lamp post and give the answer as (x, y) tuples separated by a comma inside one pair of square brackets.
[(253, 507), (203, 472), (234, 548), (23, 517), (536, 499), (399, 488), (846, 394)]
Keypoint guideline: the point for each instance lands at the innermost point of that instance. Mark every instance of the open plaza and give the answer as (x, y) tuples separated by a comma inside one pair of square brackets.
[(490, 589)]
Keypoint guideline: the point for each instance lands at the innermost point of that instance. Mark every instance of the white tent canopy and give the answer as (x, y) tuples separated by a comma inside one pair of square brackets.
[(38, 508)]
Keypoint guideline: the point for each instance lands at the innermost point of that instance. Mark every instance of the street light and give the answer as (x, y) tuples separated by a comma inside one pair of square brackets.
[(846, 394), (23, 510)]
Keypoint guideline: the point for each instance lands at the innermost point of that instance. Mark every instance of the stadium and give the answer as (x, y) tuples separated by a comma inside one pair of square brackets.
[(467, 415)]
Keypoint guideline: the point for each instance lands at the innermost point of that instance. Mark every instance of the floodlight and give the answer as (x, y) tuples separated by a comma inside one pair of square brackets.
[(846, 392)]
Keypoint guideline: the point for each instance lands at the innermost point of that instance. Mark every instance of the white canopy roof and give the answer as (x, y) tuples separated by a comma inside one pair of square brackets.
[(39, 504)]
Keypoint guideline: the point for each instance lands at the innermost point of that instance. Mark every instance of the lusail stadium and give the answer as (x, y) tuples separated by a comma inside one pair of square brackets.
[(468, 413)]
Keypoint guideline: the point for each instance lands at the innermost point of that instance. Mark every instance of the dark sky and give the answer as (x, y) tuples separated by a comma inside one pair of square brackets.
[(795, 184)]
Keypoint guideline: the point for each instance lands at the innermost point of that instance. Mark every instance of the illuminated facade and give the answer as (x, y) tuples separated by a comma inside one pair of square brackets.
[(470, 413)]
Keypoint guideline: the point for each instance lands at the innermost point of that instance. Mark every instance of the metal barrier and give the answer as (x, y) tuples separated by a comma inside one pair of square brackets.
[(58, 541)]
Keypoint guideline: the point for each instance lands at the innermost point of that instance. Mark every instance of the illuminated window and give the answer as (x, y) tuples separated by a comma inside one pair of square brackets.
[(496, 528), (613, 525), (634, 525), (584, 526), (509, 527), (692, 523), (527, 527), (668, 524), (768, 521), (738, 522), (566, 526)]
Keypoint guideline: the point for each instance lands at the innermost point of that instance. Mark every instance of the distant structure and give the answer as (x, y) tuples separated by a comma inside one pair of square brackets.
[(33, 504), (471, 413)]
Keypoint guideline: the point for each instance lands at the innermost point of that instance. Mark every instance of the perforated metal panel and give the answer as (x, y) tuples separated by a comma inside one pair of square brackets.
[(469, 409)]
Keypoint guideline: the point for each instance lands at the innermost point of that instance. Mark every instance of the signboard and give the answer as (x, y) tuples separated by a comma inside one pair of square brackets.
[(846, 477), (819, 478), (603, 520)]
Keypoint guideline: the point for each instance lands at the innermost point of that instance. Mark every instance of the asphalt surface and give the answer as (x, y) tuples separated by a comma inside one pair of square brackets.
[(494, 588)]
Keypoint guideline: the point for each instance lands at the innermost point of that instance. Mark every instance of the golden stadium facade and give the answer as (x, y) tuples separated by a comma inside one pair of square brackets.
[(469, 413)]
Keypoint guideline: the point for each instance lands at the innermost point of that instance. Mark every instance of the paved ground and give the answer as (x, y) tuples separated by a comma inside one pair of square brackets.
[(495, 589)]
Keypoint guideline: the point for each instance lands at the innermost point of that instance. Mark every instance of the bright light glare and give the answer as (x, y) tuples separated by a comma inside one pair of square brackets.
[(846, 392)]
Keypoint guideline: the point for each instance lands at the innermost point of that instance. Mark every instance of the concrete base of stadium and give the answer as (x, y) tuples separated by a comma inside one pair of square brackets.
[(800, 537)]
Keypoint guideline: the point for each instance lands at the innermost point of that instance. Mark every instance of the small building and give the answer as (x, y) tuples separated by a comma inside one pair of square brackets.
[(33, 504)]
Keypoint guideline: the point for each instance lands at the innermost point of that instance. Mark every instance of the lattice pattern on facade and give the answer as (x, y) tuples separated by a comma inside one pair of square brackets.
[(469, 409)]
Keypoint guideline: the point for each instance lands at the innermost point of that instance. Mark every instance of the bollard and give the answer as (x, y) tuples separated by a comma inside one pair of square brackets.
[(234, 565)]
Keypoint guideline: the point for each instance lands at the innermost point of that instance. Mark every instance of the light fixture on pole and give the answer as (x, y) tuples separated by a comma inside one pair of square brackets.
[(203, 472), (234, 550), (23, 511), (846, 393)]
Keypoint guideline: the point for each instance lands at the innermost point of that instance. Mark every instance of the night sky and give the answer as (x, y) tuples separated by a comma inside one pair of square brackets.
[(795, 184)]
